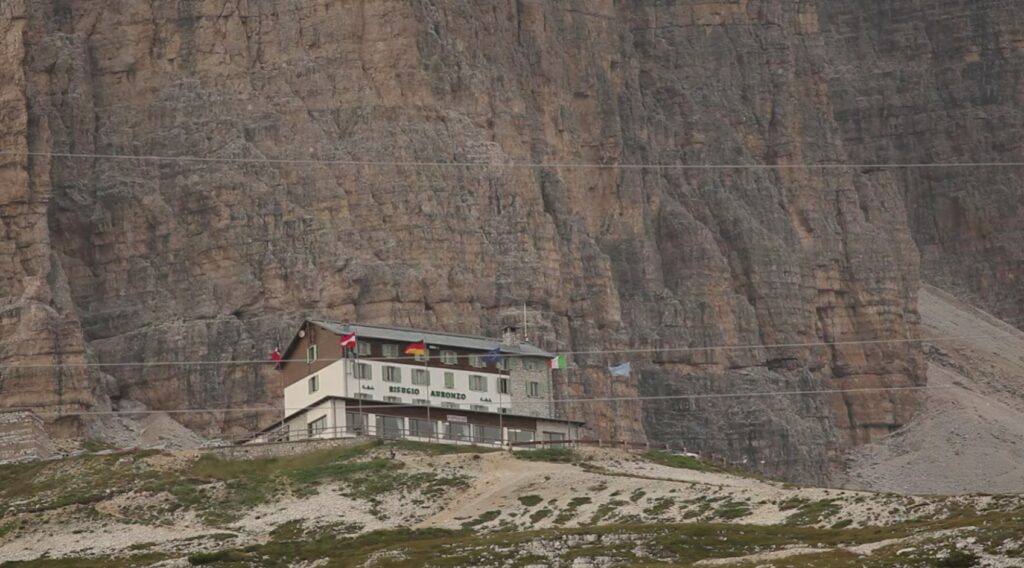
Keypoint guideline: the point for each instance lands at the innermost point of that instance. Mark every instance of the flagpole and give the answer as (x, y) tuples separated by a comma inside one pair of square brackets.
[(359, 399), (501, 415), (426, 369)]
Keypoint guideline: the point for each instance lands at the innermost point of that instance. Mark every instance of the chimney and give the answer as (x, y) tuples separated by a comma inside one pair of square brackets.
[(510, 335)]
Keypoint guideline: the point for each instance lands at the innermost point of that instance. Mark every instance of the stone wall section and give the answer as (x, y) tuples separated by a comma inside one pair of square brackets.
[(23, 437)]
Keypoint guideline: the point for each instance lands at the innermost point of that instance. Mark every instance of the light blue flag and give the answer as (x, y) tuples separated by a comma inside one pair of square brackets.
[(621, 370)]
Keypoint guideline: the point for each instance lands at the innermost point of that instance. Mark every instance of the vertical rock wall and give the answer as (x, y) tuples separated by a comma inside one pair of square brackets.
[(198, 260)]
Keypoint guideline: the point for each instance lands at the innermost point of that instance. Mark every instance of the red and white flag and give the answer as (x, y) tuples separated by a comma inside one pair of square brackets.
[(275, 355), (348, 340)]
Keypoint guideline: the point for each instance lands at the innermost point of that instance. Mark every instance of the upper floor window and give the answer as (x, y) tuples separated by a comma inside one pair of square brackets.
[(361, 395), (476, 361), (478, 407), (503, 385), (449, 380), (389, 350), (392, 399), (533, 389), (362, 371), (314, 384), (420, 377), (421, 401), (392, 374), (452, 405), (363, 348), (449, 358), (421, 357), (478, 383), (532, 365), (311, 354)]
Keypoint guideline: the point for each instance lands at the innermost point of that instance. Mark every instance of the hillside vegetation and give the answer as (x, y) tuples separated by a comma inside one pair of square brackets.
[(448, 506)]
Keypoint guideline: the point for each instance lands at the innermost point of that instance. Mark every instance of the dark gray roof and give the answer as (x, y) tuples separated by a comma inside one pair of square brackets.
[(431, 337)]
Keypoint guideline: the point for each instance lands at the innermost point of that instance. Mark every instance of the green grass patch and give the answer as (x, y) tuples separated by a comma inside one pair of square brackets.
[(659, 506), (553, 455), (204, 558), (733, 510), (484, 517), (606, 509), (813, 512), (566, 514), (540, 515), (530, 500), (440, 449), (793, 503)]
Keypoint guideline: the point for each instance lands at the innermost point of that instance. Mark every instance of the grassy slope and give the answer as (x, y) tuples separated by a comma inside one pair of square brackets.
[(666, 545), (242, 484), (219, 489)]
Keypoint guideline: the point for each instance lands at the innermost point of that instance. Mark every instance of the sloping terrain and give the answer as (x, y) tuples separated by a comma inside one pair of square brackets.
[(969, 435), (445, 506)]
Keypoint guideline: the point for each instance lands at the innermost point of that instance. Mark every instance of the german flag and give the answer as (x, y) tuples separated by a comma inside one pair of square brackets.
[(418, 348)]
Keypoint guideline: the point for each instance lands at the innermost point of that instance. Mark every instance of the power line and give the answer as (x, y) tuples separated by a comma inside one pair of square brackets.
[(240, 362), (376, 404), (511, 164)]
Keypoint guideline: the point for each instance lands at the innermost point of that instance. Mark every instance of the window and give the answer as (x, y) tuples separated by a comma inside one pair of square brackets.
[(392, 374), (356, 422), (421, 401), (502, 363), (420, 377), (449, 380), (503, 385), (478, 407), (314, 384), (362, 348), (421, 428), (392, 399), (554, 437), (486, 433), (362, 371), (390, 426), (361, 395), (389, 350), (531, 365), (317, 427), (449, 358), (449, 405), (311, 354), (533, 389), (422, 357), (478, 383), (521, 435), (476, 361), (456, 431)]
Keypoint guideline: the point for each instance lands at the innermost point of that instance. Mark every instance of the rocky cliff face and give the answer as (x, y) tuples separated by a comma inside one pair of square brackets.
[(153, 260), (925, 82)]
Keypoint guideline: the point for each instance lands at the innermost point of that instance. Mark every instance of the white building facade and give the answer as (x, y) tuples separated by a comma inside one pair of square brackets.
[(462, 388)]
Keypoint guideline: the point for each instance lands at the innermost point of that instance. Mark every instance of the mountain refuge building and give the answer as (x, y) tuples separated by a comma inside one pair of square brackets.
[(345, 380)]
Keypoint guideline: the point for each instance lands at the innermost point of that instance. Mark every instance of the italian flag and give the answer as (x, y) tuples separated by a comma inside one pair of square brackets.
[(558, 362)]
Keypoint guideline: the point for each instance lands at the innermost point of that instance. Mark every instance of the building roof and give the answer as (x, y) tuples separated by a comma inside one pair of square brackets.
[(406, 335)]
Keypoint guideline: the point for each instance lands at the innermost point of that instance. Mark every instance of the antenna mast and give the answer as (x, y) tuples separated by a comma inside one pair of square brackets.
[(526, 336)]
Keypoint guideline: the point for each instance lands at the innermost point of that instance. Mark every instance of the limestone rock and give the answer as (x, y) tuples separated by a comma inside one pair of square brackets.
[(219, 259)]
